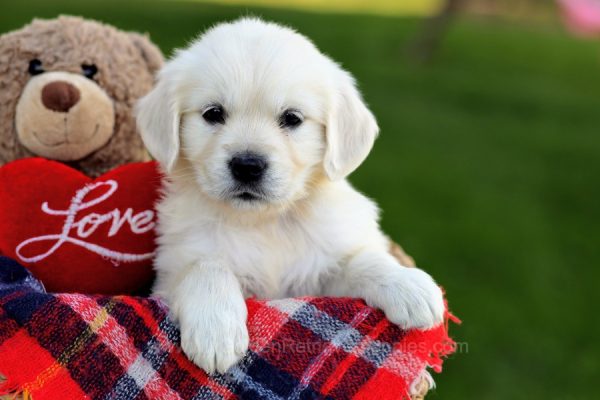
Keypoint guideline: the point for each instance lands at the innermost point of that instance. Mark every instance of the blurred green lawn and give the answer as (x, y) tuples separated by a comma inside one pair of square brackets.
[(487, 169)]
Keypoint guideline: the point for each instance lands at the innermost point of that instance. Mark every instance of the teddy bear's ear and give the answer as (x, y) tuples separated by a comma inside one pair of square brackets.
[(149, 51)]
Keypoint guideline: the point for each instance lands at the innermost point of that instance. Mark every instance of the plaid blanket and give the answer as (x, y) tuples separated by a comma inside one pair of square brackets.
[(71, 346)]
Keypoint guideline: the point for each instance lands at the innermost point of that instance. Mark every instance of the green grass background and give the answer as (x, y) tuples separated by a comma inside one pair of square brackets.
[(487, 169)]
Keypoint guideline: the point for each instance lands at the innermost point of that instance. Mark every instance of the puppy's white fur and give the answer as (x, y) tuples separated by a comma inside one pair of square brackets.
[(309, 233)]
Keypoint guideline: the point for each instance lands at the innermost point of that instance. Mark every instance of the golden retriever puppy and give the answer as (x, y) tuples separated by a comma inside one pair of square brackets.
[(256, 131)]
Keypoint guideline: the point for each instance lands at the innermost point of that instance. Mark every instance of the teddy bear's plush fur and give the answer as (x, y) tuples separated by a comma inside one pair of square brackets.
[(67, 90)]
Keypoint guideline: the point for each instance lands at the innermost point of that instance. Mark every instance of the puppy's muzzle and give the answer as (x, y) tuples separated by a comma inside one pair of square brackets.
[(248, 168)]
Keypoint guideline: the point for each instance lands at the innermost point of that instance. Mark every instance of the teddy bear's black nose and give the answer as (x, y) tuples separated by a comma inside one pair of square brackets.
[(60, 96)]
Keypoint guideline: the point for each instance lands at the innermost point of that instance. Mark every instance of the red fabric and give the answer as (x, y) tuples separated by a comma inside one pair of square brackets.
[(98, 347), (42, 371), (107, 247)]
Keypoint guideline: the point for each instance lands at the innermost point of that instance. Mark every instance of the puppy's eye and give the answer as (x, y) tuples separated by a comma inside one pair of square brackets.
[(214, 115), (290, 119), (35, 67), (89, 70)]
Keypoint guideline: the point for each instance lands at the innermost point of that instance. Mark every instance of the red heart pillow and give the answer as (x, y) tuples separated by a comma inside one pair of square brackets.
[(77, 234)]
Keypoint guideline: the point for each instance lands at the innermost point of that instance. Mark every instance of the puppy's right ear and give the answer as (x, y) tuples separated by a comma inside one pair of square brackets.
[(158, 117)]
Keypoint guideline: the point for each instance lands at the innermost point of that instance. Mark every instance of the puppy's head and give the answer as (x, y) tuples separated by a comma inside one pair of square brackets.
[(254, 115)]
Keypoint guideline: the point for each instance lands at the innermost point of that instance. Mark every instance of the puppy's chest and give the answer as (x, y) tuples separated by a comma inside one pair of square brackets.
[(279, 261)]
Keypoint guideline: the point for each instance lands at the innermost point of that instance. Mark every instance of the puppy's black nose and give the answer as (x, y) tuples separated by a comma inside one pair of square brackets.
[(248, 167)]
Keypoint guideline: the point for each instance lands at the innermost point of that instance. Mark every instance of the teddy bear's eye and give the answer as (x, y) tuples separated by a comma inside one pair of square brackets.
[(35, 67), (89, 70)]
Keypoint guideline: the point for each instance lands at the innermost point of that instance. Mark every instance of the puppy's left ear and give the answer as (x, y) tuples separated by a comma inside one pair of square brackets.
[(158, 117), (351, 129)]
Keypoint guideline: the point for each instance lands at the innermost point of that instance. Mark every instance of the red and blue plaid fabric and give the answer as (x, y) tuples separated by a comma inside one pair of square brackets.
[(71, 346)]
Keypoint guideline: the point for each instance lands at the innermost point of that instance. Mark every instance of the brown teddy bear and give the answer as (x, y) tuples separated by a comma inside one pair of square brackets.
[(67, 90)]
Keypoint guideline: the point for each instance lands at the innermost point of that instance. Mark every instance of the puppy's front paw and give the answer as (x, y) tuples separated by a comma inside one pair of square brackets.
[(412, 300), (214, 340)]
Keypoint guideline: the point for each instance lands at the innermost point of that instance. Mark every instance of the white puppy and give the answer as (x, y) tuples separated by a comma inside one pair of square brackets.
[(257, 131)]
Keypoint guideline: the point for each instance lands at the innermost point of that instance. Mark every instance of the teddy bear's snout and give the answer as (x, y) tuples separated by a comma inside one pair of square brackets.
[(64, 116), (60, 96)]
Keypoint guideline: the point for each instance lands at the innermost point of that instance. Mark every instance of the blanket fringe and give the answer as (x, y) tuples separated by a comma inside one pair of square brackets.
[(443, 344), (10, 390)]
